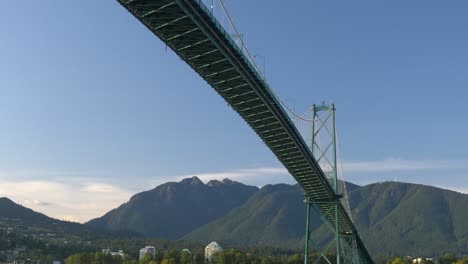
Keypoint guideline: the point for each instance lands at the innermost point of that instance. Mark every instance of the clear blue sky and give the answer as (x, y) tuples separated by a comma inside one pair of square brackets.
[(90, 100)]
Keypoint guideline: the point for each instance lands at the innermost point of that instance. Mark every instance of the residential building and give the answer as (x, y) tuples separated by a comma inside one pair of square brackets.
[(147, 249), (118, 253)]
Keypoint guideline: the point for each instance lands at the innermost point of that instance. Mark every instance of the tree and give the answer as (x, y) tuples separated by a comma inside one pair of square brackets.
[(448, 258), (295, 259), (185, 258), (267, 260), (399, 260), (199, 258), (96, 258), (463, 260), (147, 258), (171, 254), (169, 261)]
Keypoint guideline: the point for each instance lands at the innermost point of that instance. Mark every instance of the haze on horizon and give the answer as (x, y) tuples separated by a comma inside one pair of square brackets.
[(94, 110)]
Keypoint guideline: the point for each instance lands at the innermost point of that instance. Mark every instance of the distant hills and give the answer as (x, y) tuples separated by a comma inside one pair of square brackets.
[(406, 218), (275, 216), (19, 219), (172, 210), (9, 209), (393, 218), (15, 218)]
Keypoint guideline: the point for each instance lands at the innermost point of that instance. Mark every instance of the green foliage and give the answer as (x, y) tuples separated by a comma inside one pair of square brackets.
[(451, 258), (463, 260), (237, 256), (267, 260), (169, 261), (448, 258), (147, 258), (400, 260), (186, 258), (296, 259), (38, 249), (97, 258), (234, 256)]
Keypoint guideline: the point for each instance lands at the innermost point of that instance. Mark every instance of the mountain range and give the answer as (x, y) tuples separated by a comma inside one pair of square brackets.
[(172, 210), (393, 218)]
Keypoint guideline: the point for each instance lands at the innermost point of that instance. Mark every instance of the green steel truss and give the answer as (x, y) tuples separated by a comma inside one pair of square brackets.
[(191, 31), (324, 149)]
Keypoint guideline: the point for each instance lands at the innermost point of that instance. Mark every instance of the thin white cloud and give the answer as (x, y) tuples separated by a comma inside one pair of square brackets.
[(100, 188), (392, 164), (460, 189), (36, 203), (55, 173), (66, 201)]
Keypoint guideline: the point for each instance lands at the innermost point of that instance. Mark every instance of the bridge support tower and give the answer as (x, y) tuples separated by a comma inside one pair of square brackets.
[(324, 149)]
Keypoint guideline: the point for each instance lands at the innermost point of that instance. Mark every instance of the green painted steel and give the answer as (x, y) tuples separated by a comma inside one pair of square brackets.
[(193, 33), (307, 234), (343, 244)]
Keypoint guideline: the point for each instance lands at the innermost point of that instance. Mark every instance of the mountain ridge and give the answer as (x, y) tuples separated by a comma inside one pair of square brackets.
[(161, 212), (392, 217)]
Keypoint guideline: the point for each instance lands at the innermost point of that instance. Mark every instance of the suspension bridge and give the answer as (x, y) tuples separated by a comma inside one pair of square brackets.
[(222, 59)]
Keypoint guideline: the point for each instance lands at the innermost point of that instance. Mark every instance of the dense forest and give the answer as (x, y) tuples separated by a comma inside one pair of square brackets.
[(171, 252), (229, 256), (237, 256)]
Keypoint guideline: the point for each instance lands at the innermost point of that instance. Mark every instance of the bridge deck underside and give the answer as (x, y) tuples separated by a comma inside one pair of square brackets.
[(189, 29)]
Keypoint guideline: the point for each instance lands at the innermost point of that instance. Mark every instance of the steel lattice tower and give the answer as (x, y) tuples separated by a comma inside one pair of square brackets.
[(324, 149)]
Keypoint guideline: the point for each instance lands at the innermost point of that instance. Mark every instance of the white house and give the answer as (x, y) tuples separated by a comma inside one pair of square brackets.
[(147, 249)]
